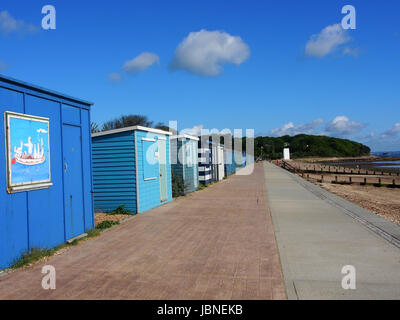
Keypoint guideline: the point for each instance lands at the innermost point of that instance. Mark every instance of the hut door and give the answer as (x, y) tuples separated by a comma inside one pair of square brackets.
[(194, 162), (221, 170), (72, 170), (162, 164)]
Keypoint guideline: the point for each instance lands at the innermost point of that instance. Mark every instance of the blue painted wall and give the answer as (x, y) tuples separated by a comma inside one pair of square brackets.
[(188, 173), (114, 172), (36, 218), (230, 165), (233, 161)]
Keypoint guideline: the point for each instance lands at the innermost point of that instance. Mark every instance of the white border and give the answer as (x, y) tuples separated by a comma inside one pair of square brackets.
[(166, 170), (137, 174), (147, 139)]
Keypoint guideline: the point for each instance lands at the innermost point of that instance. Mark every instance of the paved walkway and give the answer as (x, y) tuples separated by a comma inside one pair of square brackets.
[(214, 244), (316, 239)]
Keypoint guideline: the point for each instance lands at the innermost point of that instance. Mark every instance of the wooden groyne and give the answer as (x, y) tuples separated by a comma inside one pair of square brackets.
[(342, 175)]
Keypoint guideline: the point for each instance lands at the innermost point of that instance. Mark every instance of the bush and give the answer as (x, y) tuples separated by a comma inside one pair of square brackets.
[(202, 186), (120, 210), (106, 224), (178, 186)]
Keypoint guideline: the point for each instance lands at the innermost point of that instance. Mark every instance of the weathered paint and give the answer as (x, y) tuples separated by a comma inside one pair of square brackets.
[(121, 174), (37, 218)]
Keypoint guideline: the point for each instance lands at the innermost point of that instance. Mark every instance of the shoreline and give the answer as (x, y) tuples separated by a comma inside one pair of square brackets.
[(385, 164)]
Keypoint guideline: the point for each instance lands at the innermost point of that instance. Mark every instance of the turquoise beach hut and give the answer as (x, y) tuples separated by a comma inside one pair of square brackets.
[(131, 167)]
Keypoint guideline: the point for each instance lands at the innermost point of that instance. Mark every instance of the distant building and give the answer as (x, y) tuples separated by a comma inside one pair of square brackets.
[(286, 154)]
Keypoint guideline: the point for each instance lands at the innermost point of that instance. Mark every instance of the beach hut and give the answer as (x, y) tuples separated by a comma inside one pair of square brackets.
[(219, 162), (131, 168), (230, 164), (45, 176), (233, 161), (184, 152), (206, 168), (211, 162)]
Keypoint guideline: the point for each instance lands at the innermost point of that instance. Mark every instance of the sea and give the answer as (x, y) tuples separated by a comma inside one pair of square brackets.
[(387, 164), (386, 154), (391, 164)]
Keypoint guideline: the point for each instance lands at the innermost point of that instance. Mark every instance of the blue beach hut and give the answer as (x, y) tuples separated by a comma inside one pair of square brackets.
[(184, 153), (233, 160), (230, 164), (131, 167), (45, 176)]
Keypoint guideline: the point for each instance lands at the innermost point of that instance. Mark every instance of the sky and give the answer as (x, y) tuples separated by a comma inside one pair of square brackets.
[(278, 67)]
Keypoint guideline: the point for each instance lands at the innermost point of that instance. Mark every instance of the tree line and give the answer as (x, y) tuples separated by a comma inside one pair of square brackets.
[(304, 145), (301, 145), (127, 121)]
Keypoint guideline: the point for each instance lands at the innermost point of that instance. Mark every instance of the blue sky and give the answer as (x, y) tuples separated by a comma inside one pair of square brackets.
[(277, 67)]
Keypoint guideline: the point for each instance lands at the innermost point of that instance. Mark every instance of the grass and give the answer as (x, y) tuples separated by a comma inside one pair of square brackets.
[(202, 186), (93, 233), (37, 254)]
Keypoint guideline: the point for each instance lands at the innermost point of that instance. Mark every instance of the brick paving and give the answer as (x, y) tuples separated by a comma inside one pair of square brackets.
[(217, 243)]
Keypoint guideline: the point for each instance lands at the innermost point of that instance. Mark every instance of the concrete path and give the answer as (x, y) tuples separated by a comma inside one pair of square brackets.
[(217, 243), (316, 239)]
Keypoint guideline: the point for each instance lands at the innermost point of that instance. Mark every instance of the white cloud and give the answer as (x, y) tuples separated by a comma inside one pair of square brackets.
[(368, 137), (205, 52), (327, 41), (8, 24), (386, 141), (195, 131), (141, 62), (354, 52), (392, 132), (292, 130), (114, 77), (342, 126), (41, 131)]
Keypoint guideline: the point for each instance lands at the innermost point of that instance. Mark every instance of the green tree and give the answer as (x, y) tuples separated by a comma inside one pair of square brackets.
[(128, 121)]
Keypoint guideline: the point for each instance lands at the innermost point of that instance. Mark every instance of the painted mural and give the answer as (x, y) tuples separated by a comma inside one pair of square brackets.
[(28, 150)]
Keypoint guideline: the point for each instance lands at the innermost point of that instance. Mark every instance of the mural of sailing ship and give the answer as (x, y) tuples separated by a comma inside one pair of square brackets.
[(32, 156)]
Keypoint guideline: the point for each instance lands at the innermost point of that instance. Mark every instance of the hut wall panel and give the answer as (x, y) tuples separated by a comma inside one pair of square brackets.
[(114, 172)]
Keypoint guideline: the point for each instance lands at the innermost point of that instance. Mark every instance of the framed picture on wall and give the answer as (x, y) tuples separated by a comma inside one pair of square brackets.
[(28, 152)]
